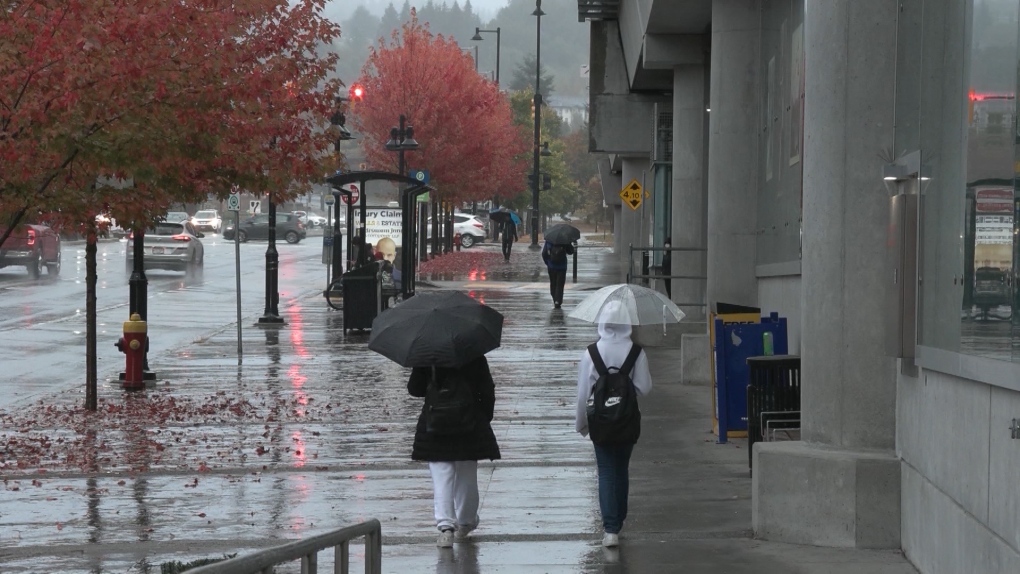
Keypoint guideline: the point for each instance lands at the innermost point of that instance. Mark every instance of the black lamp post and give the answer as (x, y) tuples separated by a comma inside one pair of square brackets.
[(538, 13), (478, 38), (401, 140), (271, 314)]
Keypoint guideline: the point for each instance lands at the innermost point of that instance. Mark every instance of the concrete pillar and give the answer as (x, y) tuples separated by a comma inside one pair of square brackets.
[(631, 224), (689, 216), (841, 485), (733, 152)]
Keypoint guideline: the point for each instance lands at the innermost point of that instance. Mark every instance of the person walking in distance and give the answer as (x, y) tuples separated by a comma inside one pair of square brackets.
[(453, 433), (509, 231), (555, 258), (607, 411)]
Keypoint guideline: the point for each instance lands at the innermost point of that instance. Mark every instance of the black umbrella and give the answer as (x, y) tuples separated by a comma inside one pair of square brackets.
[(562, 234), (446, 329)]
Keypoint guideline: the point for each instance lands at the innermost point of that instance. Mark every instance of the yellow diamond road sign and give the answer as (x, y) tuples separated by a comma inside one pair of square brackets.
[(631, 194)]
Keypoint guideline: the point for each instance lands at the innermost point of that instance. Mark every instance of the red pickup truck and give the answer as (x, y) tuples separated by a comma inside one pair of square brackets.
[(32, 246)]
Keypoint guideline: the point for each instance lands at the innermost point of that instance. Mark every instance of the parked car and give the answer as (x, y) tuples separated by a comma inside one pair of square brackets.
[(288, 227), (173, 246), (207, 220), (176, 216), (470, 228), (32, 246)]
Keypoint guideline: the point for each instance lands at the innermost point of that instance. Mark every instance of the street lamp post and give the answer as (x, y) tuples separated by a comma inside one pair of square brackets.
[(478, 38), (538, 13), (401, 140)]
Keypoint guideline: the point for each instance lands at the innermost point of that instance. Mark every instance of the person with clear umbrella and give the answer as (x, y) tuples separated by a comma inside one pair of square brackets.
[(616, 308)]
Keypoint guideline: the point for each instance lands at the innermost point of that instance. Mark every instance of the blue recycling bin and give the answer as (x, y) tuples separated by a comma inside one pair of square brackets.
[(734, 344)]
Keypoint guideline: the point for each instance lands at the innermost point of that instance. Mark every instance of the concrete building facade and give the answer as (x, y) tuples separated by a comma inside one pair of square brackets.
[(853, 166)]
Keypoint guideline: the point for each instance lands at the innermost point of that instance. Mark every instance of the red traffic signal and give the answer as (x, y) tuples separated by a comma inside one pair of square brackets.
[(357, 92)]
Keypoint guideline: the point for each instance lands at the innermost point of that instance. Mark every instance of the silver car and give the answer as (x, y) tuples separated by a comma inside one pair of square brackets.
[(173, 246)]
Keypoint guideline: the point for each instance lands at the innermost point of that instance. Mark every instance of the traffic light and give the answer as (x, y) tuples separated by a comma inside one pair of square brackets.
[(339, 119), (546, 181), (357, 92)]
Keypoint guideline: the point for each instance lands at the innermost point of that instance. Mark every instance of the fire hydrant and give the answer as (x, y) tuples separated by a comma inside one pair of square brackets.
[(133, 344), (456, 241)]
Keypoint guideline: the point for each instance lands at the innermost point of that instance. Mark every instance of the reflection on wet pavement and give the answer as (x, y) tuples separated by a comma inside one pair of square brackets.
[(311, 432)]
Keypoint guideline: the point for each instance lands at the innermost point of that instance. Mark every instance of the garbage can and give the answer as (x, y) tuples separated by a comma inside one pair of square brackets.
[(773, 398), (362, 296), (733, 343)]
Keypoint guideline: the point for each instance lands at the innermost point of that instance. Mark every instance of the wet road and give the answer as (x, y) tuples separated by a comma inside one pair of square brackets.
[(42, 326)]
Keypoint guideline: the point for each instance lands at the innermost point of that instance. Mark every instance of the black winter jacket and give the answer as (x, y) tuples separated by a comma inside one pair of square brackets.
[(477, 445)]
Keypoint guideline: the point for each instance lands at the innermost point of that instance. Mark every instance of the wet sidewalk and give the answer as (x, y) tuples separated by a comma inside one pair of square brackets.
[(313, 432)]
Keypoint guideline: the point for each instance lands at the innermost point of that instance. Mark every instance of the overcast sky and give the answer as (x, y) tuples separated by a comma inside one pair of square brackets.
[(342, 9)]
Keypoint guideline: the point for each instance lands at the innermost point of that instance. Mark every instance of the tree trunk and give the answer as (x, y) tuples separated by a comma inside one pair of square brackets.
[(91, 385)]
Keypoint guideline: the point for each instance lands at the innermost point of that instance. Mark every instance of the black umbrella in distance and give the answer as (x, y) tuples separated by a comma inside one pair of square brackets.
[(562, 234), (446, 329)]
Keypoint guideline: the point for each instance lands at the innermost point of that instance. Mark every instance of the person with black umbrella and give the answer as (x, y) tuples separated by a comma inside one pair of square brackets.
[(559, 243), (509, 237), (444, 338)]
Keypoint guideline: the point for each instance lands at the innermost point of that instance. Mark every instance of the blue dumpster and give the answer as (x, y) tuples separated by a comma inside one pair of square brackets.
[(734, 344)]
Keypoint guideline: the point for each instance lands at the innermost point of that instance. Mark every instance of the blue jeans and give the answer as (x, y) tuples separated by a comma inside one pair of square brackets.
[(613, 463)]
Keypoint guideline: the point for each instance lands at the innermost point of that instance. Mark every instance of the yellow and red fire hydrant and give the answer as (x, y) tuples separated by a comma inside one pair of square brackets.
[(132, 344)]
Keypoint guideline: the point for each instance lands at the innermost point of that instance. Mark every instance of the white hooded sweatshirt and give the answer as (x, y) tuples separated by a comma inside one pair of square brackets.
[(614, 344)]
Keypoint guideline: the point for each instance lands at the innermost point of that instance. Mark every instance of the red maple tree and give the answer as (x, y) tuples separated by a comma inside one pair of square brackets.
[(168, 101), (462, 122)]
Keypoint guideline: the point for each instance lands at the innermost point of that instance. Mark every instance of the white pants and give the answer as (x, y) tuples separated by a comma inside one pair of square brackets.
[(455, 491)]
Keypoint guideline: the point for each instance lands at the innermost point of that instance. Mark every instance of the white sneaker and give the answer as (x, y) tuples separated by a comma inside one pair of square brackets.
[(445, 539), (610, 540), (463, 531)]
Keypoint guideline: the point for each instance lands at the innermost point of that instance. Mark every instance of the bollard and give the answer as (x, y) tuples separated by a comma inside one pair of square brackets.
[(456, 241), (575, 264)]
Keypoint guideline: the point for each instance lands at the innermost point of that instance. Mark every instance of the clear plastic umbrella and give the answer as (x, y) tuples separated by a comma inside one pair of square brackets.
[(637, 305)]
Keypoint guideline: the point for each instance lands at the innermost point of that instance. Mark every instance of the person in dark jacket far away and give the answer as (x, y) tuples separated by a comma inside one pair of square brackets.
[(555, 257), (453, 459), (509, 231)]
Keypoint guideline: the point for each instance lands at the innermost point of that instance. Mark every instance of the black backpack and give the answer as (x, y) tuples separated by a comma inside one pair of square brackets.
[(450, 405), (613, 414), (558, 254)]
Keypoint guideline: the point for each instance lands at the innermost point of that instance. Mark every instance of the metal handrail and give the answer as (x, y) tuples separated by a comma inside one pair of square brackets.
[(307, 551), (645, 248)]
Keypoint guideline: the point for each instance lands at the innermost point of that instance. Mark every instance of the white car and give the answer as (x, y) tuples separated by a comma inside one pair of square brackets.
[(315, 220), (207, 220), (470, 228)]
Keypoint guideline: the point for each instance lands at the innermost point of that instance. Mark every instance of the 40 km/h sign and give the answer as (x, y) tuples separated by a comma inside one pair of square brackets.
[(632, 195)]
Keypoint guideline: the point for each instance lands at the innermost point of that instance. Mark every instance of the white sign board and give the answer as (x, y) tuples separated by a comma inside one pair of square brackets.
[(233, 202), (382, 222), (255, 206)]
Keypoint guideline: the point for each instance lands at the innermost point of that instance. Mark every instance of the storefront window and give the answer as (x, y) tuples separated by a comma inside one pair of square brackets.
[(956, 104)]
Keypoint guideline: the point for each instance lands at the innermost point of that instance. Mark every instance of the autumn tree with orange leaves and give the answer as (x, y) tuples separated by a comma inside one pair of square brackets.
[(462, 122), (172, 100)]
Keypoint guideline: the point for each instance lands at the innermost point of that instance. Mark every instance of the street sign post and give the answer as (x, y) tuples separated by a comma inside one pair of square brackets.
[(255, 206), (632, 195), (233, 202)]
